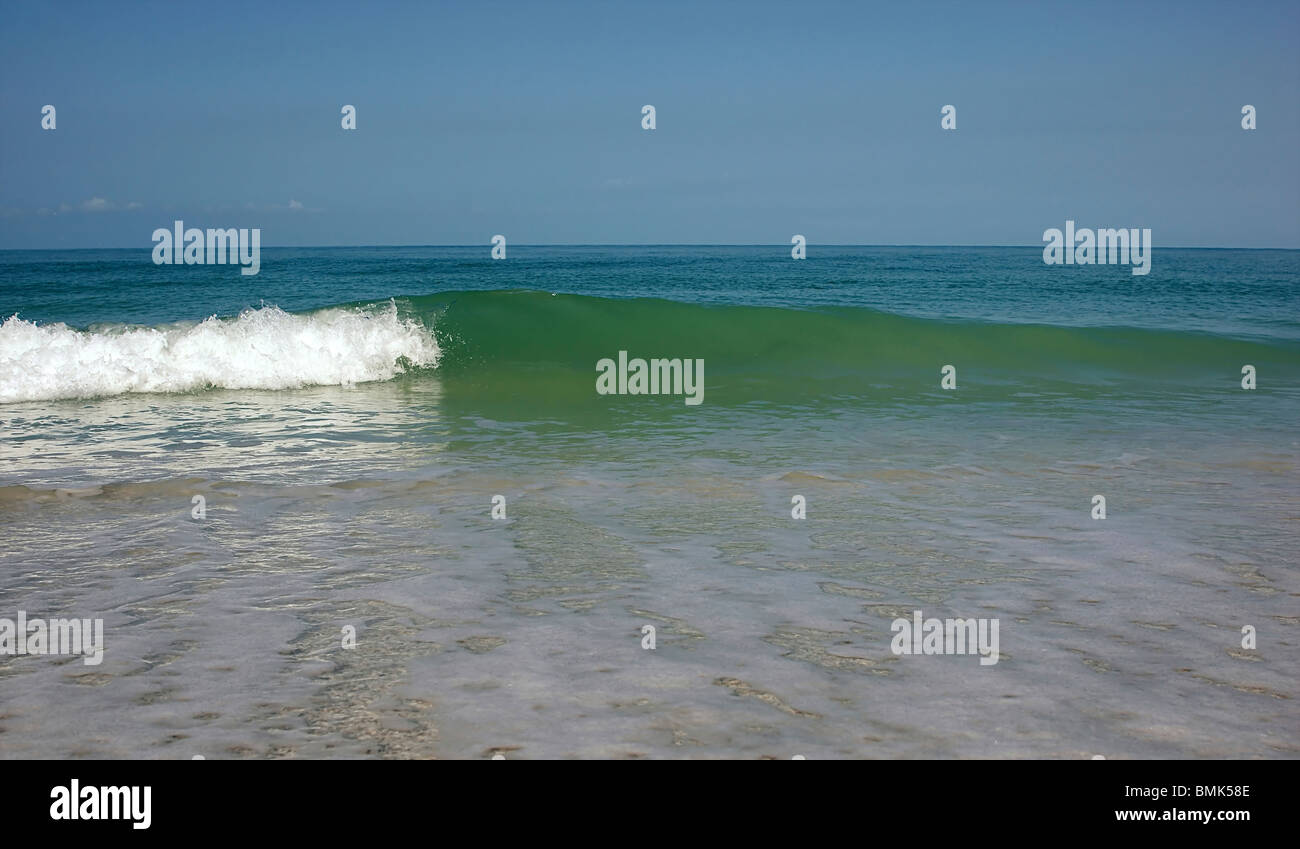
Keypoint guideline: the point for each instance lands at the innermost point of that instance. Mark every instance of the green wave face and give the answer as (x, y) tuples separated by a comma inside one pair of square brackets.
[(514, 344)]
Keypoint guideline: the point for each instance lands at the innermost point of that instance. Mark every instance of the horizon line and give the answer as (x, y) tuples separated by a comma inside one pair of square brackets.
[(665, 245)]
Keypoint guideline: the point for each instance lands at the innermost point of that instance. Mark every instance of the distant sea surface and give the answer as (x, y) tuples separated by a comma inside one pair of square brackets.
[(349, 414)]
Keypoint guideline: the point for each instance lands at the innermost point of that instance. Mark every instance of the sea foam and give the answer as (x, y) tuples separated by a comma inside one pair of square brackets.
[(264, 348)]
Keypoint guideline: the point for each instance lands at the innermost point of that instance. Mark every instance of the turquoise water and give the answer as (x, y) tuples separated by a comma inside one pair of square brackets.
[(348, 415), (1251, 292)]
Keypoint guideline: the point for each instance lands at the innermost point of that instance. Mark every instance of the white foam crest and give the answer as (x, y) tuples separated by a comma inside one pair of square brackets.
[(264, 348)]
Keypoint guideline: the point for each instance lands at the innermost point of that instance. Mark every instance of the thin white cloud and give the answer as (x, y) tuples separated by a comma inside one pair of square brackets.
[(93, 204)]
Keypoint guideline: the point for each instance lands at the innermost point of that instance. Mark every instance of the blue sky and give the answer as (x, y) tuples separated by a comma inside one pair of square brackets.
[(524, 119)]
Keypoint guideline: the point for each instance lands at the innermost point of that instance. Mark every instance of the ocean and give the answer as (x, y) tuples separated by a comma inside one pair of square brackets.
[(369, 503)]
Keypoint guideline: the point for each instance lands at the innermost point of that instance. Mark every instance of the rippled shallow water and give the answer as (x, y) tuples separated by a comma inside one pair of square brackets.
[(371, 506)]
